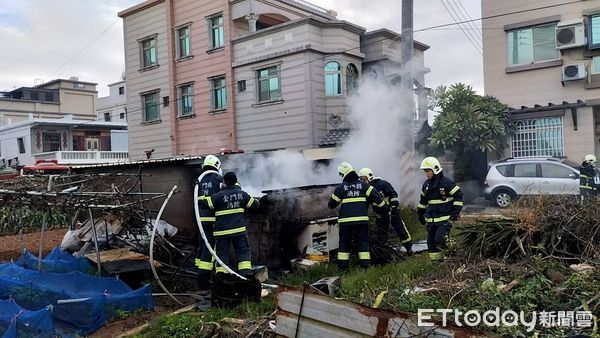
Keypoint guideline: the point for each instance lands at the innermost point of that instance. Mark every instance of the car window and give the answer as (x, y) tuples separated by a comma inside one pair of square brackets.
[(503, 169), (555, 171), (525, 170)]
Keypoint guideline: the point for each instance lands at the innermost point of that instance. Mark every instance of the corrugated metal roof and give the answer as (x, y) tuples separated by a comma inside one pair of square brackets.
[(335, 137), (150, 161)]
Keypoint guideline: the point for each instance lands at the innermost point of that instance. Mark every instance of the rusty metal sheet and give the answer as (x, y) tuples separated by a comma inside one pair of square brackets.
[(323, 316)]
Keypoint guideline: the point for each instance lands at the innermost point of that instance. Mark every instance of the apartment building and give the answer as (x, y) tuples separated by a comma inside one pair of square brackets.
[(53, 99), (545, 65), (113, 108), (257, 75)]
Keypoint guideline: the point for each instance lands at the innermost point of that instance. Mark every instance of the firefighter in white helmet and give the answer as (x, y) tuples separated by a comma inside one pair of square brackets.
[(354, 196), (210, 185), (394, 218), (587, 179), (440, 203)]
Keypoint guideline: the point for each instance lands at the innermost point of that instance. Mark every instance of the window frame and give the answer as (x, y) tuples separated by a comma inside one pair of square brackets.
[(143, 97), (57, 143), (212, 41), (351, 86), (178, 40), (509, 57), (150, 39), (218, 93), (21, 145), (337, 74), (557, 165), (107, 117), (590, 31), (122, 90), (181, 98), (268, 78), (595, 59)]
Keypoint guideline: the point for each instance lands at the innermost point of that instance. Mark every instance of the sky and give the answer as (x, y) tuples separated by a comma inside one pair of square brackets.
[(45, 40)]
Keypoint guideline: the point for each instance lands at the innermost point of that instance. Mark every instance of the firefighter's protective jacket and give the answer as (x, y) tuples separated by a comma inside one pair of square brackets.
[(229, 205), (586, 178), (441, 199), (355, 196), (385, 188), (210, 185)]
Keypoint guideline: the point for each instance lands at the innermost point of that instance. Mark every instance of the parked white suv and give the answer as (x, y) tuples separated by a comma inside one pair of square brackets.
[(508, 179)]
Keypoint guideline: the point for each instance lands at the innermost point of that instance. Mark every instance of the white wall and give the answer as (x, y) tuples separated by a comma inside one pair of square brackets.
[(9, 148), (118, 140)]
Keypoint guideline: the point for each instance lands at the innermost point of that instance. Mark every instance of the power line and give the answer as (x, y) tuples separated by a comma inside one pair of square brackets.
[(467, 33), (467, 16), (460, 17)]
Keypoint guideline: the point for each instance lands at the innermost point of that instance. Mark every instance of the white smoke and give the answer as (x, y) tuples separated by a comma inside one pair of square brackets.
[(379, 140)]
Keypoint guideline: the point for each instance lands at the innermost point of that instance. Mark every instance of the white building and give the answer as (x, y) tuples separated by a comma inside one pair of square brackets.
[(67, 140), (113, 108)]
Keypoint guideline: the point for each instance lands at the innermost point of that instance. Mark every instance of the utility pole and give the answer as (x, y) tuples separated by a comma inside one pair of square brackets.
[(407, 76)]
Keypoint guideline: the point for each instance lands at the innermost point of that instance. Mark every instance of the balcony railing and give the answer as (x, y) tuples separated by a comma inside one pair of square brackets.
[(84, 157)]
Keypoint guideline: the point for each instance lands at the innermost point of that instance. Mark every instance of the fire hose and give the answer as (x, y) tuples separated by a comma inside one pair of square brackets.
[(199, 222)]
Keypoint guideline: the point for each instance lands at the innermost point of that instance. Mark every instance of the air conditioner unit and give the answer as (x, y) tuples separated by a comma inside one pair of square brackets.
[(570, 34), (574, 72)]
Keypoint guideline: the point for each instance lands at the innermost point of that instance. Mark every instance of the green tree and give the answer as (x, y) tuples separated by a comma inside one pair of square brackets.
[(469, 125)]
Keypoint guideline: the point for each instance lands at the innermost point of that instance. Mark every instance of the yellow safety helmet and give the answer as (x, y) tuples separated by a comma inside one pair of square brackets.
[(344, 169), (591, 159), (431, 163), (211, 161), (366, 172)]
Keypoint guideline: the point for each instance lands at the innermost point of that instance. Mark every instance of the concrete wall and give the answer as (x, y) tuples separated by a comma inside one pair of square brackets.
[(119, 140), (115, 104), (155, 135), (543, 85), (9, 148)]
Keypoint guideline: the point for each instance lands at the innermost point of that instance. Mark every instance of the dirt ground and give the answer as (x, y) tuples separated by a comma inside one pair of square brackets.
[(10, 246)]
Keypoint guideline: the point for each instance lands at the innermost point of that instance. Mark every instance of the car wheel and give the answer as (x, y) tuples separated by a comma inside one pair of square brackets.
[(503, 198)]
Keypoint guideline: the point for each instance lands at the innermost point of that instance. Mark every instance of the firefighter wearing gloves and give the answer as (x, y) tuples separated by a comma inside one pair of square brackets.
[(587, 183), (210, 185), (440, 203), (230, 205), (390, 196), (354, 196)]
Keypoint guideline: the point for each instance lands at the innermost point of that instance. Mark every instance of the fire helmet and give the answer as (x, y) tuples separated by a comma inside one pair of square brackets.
[(431, 163), (211, 161), (591, 159), (344, 169), (366, 172)]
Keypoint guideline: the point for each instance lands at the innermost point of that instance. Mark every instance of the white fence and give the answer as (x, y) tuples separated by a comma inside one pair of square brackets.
[(84, 157)]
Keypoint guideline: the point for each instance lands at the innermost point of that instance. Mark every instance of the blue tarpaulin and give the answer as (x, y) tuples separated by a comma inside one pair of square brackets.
[(56, 261), (16, 321)]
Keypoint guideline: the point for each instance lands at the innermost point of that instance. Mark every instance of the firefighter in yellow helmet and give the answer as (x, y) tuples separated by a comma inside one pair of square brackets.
[(394, 218), (354, 196), (440, 203), (587, 182), (210, 185)]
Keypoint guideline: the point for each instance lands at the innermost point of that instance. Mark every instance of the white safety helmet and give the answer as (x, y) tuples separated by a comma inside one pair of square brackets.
[(431, 163), (344, 169), (591, 159), (211, 161), (366, 172)]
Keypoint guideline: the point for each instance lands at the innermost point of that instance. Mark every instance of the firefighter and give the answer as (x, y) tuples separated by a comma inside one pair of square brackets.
[(587, 183), (210, 185), (390, 196), (230, 229), (440, 203), (354, 196)]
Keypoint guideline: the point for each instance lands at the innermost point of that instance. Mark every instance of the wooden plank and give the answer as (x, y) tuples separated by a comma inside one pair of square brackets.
[(122, 260), (323, 315)]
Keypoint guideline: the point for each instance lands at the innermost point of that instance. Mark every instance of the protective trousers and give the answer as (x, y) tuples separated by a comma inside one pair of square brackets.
[(437, 233), (205, 262), (241, 247), (584, 196), (395, 219), (360, 234)]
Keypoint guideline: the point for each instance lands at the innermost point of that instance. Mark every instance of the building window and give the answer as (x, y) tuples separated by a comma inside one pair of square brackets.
[(148, 51), (594, 31), (595, 65), (333, 79), (51, 142), (78, 85), (150, 107), (268, 84), (106, 117), (121, 116), (219, 94), (351, 79), (241, 86), (21, 144), (186, 100), (182, 38), (121, 90), (532, 44), (538, 137), (216, 32)]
